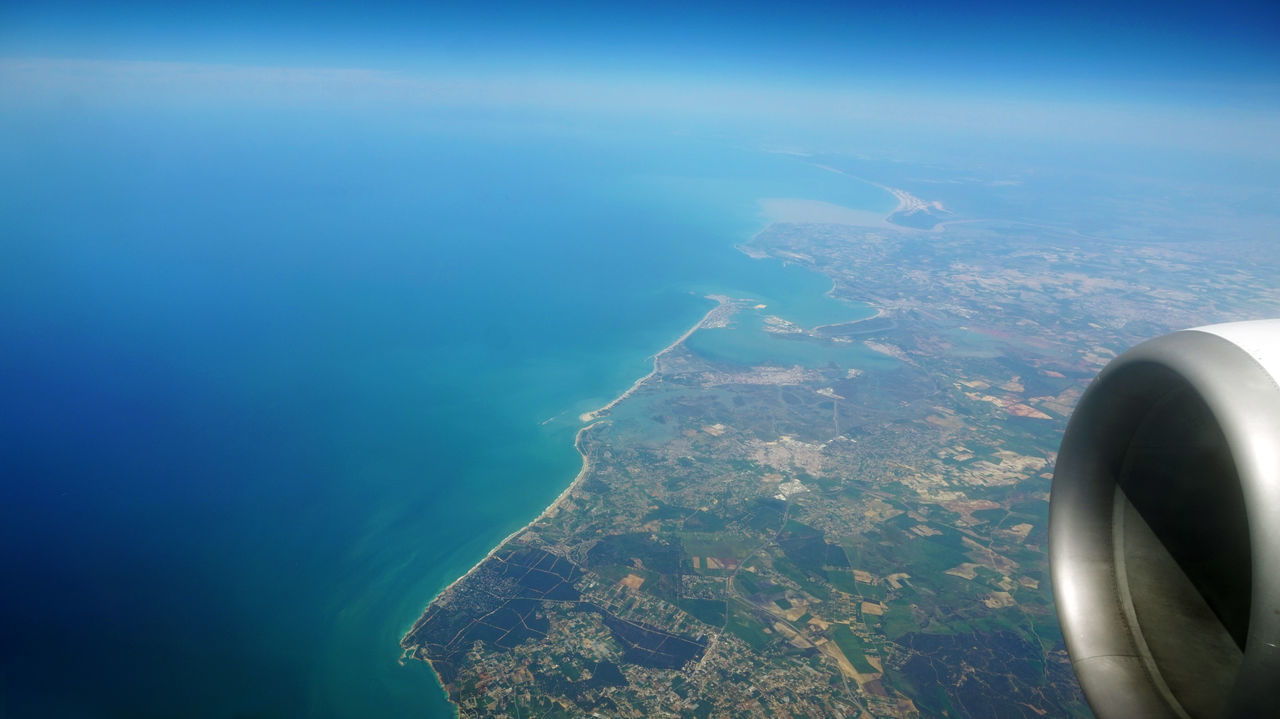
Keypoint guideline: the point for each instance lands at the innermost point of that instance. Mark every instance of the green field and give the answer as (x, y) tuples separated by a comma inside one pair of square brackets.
[(748, 629), (843, 581), (711, 611), (853, 648), (710, 544), (898, 620)]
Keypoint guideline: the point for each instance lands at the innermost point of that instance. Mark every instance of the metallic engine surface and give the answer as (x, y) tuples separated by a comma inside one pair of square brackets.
[(1150, 632)]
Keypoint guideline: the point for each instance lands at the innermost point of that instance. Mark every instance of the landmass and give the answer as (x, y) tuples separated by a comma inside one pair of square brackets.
[(858, 536)]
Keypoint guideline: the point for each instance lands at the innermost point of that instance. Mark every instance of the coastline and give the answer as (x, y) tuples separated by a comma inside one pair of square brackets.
[(590, 419), (879, 312), (716, 316), (555, 503), (724, 306), (595, 414), (908, 204)]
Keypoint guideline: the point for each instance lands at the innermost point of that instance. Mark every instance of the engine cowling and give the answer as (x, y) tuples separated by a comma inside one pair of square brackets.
[(1164, 527)]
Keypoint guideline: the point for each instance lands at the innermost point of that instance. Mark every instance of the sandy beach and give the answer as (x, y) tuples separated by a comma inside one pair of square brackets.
[(586, 467), (592, 418), (597, 413), (880, 312)]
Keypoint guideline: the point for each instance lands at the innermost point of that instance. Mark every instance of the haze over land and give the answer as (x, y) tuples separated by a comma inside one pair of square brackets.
[(307, 307)]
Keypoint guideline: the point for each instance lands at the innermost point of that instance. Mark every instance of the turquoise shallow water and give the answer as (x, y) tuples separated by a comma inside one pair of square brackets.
[(275, 379), (746, 342)]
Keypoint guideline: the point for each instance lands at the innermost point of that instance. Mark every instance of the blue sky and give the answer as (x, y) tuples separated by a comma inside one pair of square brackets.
[(1199, 76), (1003, 43)]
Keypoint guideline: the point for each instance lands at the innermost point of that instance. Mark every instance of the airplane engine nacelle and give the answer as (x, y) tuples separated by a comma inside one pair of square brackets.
[(1164, 527)]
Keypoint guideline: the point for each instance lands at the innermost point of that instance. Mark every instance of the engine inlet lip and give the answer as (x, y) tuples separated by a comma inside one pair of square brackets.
[(1243, 398)]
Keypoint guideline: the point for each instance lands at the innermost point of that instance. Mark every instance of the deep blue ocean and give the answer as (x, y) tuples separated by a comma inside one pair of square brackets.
[(272, 379)]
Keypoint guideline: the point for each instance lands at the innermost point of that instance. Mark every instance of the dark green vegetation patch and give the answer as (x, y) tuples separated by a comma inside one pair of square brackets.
[(710, 611)]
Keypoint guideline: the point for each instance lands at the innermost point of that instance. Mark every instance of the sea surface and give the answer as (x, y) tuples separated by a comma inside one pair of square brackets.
[(272, 379)]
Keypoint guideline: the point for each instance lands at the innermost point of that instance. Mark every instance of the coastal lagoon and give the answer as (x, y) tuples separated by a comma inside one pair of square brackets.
[(753, 340), (276, 378)]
